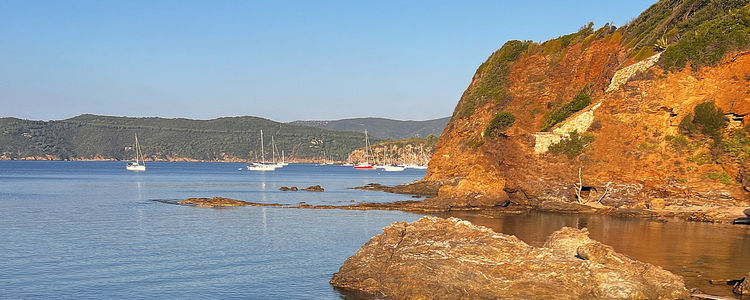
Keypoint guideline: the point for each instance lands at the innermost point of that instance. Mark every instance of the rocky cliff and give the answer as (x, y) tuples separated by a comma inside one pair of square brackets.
[(436, 258), (655, 109), (409, 151)]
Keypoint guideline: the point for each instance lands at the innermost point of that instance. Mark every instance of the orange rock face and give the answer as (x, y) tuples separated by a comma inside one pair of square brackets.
[(634, 156)]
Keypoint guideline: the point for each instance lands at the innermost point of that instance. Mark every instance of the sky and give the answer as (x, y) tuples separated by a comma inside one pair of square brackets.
[(282, 60)]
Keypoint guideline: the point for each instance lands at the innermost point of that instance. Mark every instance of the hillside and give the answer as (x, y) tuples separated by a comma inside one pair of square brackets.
[(383, 128), (222, 139), (410, 151), (652, 111)]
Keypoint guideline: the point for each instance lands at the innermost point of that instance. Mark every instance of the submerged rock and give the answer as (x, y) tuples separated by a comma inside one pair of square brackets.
[(221, 202), (454, 259), (314, 188)]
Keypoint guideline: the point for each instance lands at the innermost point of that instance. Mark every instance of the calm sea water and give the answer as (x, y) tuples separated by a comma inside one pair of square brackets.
[(91, 230)]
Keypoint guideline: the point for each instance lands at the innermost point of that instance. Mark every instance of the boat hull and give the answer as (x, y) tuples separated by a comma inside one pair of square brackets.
[(139, 168)]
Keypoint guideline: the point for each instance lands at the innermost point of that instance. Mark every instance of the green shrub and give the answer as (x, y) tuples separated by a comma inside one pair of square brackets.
[(706, 119), (578, 103), (573, 145), (473, 143), (679, 143), (723, 177), (737, 146), (710, 41), (709, 119), (499, 123)]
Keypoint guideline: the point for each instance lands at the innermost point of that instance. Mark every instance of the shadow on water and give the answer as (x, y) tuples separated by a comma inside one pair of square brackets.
[(697, 251)]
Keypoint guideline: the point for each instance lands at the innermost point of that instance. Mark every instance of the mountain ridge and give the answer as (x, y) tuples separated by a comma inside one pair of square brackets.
[(382, 127), (89, 136)]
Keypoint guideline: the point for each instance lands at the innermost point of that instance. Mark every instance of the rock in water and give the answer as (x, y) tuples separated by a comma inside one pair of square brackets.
[(314, 188), (436, 258)]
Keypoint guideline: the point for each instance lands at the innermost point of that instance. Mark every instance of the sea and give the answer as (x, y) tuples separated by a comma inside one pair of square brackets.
[(92, 230)]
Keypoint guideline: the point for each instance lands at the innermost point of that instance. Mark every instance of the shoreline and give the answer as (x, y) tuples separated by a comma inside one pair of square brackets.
[(702, 214)]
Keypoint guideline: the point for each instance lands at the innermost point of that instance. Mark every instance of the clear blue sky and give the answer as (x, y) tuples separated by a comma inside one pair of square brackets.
[(283, 60)]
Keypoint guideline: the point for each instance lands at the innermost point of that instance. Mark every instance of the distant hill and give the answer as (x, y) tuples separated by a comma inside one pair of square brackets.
[(222, 139), (383, 128)]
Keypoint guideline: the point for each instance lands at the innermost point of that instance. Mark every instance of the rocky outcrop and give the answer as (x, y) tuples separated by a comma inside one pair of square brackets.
[(436, 258), (221, 202), (288, 188), (314, 188)]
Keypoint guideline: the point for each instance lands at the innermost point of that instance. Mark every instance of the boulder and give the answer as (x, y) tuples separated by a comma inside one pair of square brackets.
[(742, 287), (747, 212), (314, 188), (436, 258), (657, 204), (285, 188)]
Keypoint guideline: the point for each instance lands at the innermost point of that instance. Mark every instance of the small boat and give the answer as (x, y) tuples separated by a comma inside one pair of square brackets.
[(366, 165), (139, 164), (393, 168), (261, 166)]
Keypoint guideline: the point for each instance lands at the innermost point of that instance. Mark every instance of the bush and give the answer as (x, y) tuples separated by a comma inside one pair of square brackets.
[(723, 177), (499, 123), (578, 103), (706, 119), (473, 143), (709, 42), (573, 145)]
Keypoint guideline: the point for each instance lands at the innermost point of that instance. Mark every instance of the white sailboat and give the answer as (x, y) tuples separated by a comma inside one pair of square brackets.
[(262, 166), (273, 151), (282, 159), (366, 165), (138, 164), (391, 167)]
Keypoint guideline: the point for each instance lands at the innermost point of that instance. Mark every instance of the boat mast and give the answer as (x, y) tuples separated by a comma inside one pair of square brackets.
[(273, 150), (262, 150), (367, 148)]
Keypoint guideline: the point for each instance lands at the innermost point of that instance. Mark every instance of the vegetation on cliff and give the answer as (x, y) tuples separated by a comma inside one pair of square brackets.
[(494, 81), (706, 119), (699, 32), (573, 145), (500, 123), (579, 102), (91, 136)]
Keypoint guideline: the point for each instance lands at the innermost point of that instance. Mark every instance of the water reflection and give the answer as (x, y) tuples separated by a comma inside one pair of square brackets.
[(697, 251)]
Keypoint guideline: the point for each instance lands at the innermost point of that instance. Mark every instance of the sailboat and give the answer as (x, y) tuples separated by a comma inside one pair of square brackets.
[(382, 164), (139, 164), (391, 167), (273, 151), (366, 165), (262, 166), (282, 159)]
